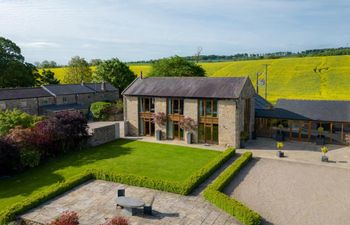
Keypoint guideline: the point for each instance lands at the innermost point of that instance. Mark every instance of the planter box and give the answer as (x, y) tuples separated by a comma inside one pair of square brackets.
[(189, 138), (324, 158), (242, 143), (158, 135), (279, 136), (320, 140), (280, 154)]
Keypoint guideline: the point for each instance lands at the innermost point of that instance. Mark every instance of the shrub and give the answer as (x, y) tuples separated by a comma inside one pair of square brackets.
[(233, 207), (117, 220), (29, 157), (279, 145), (9, 158), (100, 110), (324, 150), (159, 118), (9, 119), (188, 124), (66, 131), (66, 218)]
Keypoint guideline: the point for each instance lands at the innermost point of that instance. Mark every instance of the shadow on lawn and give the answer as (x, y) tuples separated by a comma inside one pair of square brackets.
[(47, 174)]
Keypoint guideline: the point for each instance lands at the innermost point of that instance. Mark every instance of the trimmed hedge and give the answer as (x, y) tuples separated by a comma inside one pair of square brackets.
[(233, 207), (183, 188)]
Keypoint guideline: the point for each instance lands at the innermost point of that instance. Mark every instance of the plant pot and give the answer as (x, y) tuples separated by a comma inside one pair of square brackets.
[(242, 143), (280, 136), (254, 135), (189, 138), (320, 140), (158, 135), (280, 154), (324, 158)]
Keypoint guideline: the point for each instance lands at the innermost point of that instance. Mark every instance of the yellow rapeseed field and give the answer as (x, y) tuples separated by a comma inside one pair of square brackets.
[(326, 77)]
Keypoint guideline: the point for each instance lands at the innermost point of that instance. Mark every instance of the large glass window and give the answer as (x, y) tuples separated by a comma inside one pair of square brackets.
[(146, 104), (208, 133), (208, 107), (175, 106)]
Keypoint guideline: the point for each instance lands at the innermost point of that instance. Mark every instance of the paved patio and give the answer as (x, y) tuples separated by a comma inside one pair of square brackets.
[(287, 193), (95, 200)]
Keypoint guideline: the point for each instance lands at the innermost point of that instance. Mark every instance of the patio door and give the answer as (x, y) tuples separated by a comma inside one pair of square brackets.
[(148, 127), (175, 131)]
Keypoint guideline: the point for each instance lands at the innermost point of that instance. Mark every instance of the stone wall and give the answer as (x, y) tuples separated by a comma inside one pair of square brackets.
[(160, 106), (191, 110), (85, 99), (107, 96), (131, 115), (103, 132), (29, 105), (228, 126), (46, 101)]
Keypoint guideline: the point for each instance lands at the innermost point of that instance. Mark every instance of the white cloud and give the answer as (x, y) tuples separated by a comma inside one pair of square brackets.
[(39, 44)]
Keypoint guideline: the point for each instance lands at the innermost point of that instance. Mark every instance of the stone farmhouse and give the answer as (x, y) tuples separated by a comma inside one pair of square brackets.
[(222, 108), (49, 99)]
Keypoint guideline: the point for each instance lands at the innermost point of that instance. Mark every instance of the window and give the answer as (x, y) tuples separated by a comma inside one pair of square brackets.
[(175, 106), (146, 105), (208, 107)]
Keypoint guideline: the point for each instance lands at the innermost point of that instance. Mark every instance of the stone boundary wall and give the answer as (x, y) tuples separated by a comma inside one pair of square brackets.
[(104, 132)]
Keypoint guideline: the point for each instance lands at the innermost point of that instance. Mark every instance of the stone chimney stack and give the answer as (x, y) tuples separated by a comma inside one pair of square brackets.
[(103, 86), (82, 83)]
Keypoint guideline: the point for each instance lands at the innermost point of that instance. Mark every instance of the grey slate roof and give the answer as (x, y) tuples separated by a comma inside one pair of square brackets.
[(318, 110), (97, 87), (278, 114), (22, 93), (261, 103), (68, 89), (191, 87)]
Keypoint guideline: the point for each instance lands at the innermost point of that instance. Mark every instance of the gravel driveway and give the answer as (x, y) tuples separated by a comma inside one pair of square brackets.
[(294, 193)]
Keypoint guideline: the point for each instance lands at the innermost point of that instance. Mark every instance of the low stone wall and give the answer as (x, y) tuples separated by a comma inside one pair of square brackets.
[(104, 132)]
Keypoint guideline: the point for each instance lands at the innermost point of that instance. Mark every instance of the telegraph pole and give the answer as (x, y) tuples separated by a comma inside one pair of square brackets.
[(266, 68)]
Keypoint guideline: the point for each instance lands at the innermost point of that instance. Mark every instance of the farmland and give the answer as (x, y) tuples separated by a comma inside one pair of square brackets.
[(326, 77)]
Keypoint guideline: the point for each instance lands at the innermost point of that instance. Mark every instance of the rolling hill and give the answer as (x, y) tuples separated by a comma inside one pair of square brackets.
[(326, 77)]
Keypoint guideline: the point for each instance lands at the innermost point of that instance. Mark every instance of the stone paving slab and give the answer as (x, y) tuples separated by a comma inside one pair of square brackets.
[(94, 201), (287, 193)]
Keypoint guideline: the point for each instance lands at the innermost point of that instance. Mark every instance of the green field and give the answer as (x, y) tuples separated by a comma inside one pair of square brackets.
[(177, 163), (326, 77)]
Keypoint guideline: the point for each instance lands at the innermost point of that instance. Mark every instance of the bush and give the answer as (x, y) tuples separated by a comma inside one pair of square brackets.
[(29, 158), (100, 110), (9, 158), (233, 207), (117, 220), (66, 218), (66, 131), (9, 119)]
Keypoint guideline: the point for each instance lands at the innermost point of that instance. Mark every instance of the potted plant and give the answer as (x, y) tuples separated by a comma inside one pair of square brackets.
[(320, 140), (159, 118), (280, 134), (324, 150), (244, 136), (189, 125), (280, 146)]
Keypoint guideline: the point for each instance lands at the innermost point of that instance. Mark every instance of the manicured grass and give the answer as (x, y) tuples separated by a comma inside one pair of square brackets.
[(159, 161)]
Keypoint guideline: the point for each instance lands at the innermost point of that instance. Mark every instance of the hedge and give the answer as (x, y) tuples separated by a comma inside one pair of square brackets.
[(183, 188), (233, 207)]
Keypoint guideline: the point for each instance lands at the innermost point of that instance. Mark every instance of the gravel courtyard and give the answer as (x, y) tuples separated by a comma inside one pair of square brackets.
[(294, 193)]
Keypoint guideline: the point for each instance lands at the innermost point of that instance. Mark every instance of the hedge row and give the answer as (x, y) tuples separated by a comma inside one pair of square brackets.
[(183, 188), (233, 207)]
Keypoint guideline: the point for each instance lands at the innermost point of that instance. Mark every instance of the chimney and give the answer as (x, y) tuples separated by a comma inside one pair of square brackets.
[(141, 75), (82, 83), (103, 86)]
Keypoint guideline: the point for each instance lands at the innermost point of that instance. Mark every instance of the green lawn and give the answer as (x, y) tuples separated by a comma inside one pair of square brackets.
[(167, 162)]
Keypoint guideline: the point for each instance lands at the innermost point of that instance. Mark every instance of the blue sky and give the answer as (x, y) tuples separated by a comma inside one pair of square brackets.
[(141, 30)]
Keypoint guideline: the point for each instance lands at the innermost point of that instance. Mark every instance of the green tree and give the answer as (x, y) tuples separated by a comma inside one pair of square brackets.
[(176, 66), (78, 70), (115, 72), (47, 77), (14, 71)]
